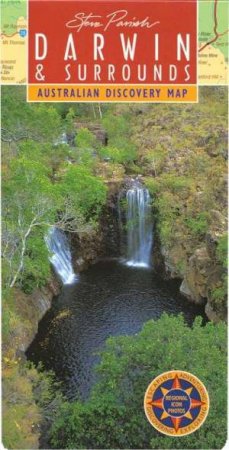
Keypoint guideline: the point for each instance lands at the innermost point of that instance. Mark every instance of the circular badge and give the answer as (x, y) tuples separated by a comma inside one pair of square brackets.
[(176, 403)]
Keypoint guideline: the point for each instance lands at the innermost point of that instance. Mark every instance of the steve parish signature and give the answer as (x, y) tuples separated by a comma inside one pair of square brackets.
[(117, 18)]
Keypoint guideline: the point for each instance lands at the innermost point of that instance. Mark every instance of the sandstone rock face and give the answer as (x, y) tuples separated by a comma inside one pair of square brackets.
[(201, 274), (86, 249), (199, 269), (212, 315), (172, 257), (42, 298), (185, 290), (190, 217), (30, 308), (196, 263), (91, 245), (110, 219), (198, 273)]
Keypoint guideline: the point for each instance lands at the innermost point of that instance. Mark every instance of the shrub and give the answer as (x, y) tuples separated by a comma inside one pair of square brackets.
[(175, 183), (198, 225), (85, 192), (121, 155), (222, 250), (155, 158), (153, 184), (85, 138)]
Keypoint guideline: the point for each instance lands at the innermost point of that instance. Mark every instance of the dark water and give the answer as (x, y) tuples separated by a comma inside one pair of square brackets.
[(109, 299)]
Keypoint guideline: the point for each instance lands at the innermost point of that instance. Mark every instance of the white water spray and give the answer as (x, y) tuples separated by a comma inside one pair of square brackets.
[(139, 227), (60, 258)]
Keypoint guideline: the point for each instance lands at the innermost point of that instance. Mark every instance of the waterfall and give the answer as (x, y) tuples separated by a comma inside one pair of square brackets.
[(60, 258), (62, 139), (139, 226)]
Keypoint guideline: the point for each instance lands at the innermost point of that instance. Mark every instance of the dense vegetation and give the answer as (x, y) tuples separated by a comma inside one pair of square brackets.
[(180, 153), (113, 417), (41, 188)]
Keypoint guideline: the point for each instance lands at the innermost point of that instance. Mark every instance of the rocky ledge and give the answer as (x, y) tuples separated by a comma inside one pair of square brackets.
[(202, 272), (30, 308)]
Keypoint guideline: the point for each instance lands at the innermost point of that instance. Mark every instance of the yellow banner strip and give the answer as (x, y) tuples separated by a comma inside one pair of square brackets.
[(111, 93)]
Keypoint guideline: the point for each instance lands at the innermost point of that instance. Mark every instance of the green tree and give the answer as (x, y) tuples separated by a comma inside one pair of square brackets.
[(21, 120), (52, 156), (113, 417), (222, 250), (85, 138), (84, 194), (121, 155), (121, 149), (30, 203), (69, 120), (85, 153)]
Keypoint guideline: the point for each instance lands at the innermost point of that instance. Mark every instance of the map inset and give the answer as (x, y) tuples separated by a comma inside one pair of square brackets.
[(213, 42), (13, 41)]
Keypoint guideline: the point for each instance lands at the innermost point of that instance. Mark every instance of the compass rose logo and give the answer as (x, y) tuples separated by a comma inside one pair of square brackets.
[(176, 403)]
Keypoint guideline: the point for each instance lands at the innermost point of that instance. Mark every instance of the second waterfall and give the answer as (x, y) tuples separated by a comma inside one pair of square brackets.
[(139, 226), (60, 255)]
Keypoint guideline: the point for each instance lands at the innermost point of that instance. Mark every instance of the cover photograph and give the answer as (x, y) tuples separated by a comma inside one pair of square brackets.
[(114, 225)]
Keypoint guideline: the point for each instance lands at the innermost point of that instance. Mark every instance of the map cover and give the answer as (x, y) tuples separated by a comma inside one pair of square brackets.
[(114, 134)]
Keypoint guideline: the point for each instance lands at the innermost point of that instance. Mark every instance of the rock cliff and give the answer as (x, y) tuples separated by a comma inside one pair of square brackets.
[(182, 156)]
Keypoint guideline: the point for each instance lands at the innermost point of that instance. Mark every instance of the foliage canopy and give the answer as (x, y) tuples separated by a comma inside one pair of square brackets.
[(113, 417)]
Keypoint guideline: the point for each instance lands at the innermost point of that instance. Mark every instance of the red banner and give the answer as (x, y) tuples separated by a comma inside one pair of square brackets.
[(112, 42)]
